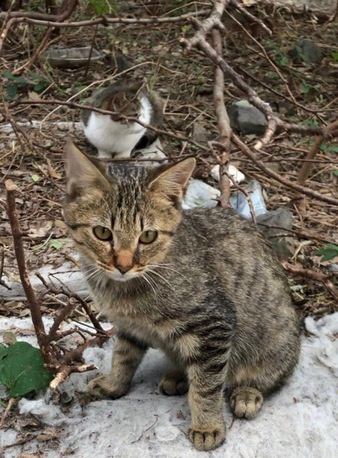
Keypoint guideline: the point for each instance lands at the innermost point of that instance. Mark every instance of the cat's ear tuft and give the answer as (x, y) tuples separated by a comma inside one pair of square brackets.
[(81, 172), (173, 180)]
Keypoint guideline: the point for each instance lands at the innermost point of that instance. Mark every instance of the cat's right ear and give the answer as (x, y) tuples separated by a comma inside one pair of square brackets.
[(172, 180), (82, 173)]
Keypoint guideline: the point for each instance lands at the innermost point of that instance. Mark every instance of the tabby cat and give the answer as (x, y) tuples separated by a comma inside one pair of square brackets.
[(201, 285)]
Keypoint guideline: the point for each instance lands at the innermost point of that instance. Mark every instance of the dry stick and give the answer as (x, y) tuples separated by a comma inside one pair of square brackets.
[(43, 340), (266, 56), (253, 18), (104, 20), (223, 124), (66, 9), (65, 371), (307, 191), (108, 112), (208, 24), (313, 275), (306, 168), (34, 305), (90, 52), (42, 46), (67, 310), (273, 120), (8, 408)]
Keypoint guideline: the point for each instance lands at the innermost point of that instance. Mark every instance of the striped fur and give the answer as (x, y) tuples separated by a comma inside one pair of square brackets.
[(208, 292)]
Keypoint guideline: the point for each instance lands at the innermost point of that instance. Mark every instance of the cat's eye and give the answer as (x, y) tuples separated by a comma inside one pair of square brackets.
[(102, 233), (148, 236)]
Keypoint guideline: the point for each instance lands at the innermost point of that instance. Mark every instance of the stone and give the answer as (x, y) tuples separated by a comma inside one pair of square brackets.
[(246, 119), (323, 7), (275, 226), (307, 51)]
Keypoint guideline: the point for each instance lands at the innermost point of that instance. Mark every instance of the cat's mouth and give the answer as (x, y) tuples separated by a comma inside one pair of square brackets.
[(114, 274)]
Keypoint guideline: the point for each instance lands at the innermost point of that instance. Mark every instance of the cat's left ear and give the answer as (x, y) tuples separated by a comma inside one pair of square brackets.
[(173, 180), (82, 173)]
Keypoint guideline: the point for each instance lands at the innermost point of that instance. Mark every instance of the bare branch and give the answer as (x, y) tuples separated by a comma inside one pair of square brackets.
[(205, 26), (223, 124), (312, 275), (20, 257), (303, 190)]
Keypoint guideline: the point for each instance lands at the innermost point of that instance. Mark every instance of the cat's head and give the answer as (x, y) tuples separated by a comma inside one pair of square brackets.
[(123, 221)]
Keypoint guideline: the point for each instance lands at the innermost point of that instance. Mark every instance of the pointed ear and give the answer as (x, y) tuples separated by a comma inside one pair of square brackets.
[(81, 172), (174, 179)]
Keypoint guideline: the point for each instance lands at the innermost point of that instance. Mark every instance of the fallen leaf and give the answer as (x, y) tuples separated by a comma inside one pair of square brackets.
[(36, 178), (33, 96), (41, 231), (52, 172), (9, 338), (56, 244)]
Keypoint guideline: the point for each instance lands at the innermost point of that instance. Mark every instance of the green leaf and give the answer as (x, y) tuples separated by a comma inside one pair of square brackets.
[(328, 252), (11, 91), (103, 6), (56, 244), (3, 351), (36, 178), (311, 123), (22, 370), (334, 56), (329, 148), (335, 173), (282, 59)]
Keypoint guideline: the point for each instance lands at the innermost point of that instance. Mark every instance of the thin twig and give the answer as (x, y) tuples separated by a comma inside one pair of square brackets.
[(312, 275), (303, 190), (8, 408), (223, 124), (34, 305)]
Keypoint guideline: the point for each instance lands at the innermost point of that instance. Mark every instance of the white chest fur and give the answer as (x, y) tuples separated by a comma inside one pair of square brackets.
[(110, 136)]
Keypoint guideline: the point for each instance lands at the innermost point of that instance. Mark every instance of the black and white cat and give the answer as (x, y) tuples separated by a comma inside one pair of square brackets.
[(116, 138)]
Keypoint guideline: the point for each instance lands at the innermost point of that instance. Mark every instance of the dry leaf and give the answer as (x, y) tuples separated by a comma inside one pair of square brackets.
[(41, 231), (249, 2), (52, 172), (33, 96)]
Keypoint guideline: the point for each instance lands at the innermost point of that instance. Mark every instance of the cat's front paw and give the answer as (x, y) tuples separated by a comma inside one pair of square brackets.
[(106, 387), (207, 439)]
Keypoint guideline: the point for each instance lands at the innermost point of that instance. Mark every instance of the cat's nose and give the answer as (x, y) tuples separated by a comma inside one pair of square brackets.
[(124, 261), (123, 269)]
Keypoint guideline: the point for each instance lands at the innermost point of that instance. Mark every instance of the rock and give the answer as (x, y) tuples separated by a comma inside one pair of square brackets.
[(323, 7), (275, 226), (199, 133), (307, 51), (246, 119)]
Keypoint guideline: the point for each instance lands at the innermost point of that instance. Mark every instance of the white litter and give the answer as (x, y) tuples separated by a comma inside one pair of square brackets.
[(232, 171), (200, 194), (240, 202)]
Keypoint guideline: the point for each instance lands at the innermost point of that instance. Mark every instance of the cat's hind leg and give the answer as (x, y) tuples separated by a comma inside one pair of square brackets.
[(127, 355), (174, 383), (247, 387), (246, 402)]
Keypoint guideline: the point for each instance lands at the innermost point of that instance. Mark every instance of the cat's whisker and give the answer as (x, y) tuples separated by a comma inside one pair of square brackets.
[(165, 266), (148, 280), (92, 272), (161, 277)]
